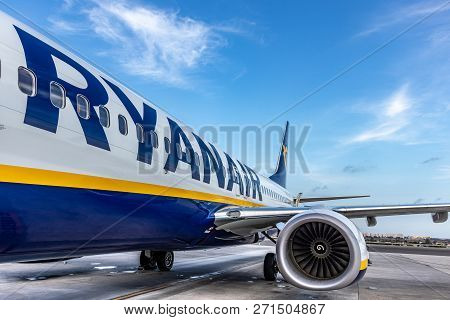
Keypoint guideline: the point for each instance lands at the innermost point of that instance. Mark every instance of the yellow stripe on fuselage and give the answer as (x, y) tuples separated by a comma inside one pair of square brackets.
[(33, 176)]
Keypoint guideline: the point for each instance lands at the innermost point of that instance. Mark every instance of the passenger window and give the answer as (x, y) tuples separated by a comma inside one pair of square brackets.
[(167, 144), (57, 95), (27, 81), (196, 159), (236, 175), (104, 116), (179, 151), (188, 156), (154, 139), (140, 133), (123, 125), (83, 107), (233, 174)]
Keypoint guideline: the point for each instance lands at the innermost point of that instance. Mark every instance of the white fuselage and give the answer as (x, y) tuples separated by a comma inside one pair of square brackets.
[(54, 155)]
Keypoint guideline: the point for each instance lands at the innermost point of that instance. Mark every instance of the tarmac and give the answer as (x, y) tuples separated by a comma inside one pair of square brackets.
[(224, 273), (433, 251)]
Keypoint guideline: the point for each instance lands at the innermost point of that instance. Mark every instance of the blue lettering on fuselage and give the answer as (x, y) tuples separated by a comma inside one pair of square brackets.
[(256, 184), (148, 122), (246, 179), (234, 176), (210, 163), (40, 113), (177, 134)]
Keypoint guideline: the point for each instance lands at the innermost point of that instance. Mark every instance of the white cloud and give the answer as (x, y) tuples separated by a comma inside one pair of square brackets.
[(156, 43), (161, 45), (392, 116), (68, 4), (443, 173), (63, 26), (424, 62), (106, 27), (407, 14), (398, 103)]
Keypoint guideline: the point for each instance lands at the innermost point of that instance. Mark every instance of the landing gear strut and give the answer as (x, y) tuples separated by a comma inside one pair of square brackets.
[(270, 267), (150, 260), (147, 260), (270, 262)]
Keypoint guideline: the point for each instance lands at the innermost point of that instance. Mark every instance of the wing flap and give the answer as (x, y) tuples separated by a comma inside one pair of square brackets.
[(386, 211)]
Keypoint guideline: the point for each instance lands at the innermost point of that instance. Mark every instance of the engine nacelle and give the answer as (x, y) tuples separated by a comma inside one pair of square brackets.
[(440, 217), (321, 250), (371, 221)]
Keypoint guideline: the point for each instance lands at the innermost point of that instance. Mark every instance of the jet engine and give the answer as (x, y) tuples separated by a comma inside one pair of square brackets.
[(321, 250)]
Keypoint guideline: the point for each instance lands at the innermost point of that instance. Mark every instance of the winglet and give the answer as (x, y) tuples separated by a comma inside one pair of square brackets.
[(280, 174)]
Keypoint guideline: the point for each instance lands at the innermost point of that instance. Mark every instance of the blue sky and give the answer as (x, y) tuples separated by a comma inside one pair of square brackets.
[(380, 129)]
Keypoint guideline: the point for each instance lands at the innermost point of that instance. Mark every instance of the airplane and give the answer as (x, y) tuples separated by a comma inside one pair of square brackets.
[(88, 166)]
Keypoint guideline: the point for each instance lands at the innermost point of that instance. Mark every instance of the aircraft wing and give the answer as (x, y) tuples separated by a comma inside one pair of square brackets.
[(245, 221), (317, 199), (385, 211)]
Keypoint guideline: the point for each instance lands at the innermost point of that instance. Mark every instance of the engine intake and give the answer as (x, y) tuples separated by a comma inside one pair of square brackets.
[(319, 250)]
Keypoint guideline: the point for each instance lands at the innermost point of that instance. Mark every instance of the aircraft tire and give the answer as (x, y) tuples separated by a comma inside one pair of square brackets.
[(270, 267), (164, 260)]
